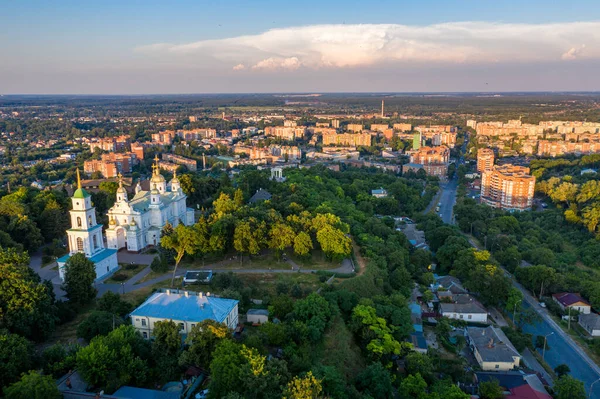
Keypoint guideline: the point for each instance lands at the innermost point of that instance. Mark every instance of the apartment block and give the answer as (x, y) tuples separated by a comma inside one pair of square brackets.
[(508, 187), (558, 148), (289, 133), (354, 127), (190, 164), (485, 159), (138, 150), (110, 165), (111, 144), (197, 134), (434, 160), (402, 127), (379, 127), (164, 137), (347, 139)]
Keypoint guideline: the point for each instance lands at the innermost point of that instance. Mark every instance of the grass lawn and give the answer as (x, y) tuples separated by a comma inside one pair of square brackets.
[(124, 270), (67, 333)]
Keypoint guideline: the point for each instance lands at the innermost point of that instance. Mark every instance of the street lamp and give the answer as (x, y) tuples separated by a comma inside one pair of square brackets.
[(545, 338), (592, 387), (515, 311), (123, 287)]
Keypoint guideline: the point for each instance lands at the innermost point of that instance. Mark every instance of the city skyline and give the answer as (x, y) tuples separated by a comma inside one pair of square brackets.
[(109, 48)]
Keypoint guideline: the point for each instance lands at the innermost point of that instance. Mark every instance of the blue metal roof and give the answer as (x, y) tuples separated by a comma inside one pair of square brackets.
[(141, 393), (415, 308), (105, 253), (175, 306), (99, 257), (418, 340)]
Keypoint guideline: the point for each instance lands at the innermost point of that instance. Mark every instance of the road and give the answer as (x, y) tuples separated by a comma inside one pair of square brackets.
[(562, 348), (47, 273), (447, 200)]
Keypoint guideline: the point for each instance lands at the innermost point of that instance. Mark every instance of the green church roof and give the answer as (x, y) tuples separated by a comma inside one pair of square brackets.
[(80, 193)]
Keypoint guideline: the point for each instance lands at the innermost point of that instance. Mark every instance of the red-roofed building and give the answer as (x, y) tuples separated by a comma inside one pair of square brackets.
[(571, 300), (526, 392)]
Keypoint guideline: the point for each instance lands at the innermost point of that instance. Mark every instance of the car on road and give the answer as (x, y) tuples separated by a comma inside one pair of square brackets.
[(543, 304)]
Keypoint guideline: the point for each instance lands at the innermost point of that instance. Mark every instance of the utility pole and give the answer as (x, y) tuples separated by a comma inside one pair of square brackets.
[(569, 323), (515, 311), (544, 350)]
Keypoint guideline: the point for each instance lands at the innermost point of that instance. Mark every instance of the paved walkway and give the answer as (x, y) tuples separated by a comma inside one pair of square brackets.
[(533, 364)]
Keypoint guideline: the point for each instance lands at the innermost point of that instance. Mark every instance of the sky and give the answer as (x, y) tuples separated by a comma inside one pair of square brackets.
[(241, 46)]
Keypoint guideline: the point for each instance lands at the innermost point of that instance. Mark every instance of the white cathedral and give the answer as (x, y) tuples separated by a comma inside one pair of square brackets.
[(133, 224), (137, 223)]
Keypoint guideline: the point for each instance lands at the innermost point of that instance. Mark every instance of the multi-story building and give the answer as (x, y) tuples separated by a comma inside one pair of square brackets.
[(335, 123), (289, 133), (164, 137), (347, 139), (485, 159), (190, 164), (138, 150), (186, 309), (322, 130), (558, 148), (508, 187), (379, 127), (111, 144), (354, 127), (197, 134), (402, 127), (434, 160), (110, 165)]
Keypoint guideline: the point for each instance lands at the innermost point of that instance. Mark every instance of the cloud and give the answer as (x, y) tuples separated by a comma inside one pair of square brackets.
[(272, 64), (366, 45), (573, 53)]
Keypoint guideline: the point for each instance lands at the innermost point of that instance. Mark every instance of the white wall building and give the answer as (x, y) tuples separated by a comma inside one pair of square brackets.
[(137, 223), (85, 236), (186, 308)]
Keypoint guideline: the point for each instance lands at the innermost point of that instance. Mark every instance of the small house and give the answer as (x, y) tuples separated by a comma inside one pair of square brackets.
[(260, 195), (569, 300), (590, 323), (379, 193), (492, 349), (257, 316)]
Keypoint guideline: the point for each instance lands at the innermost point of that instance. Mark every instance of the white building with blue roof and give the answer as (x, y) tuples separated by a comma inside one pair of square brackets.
[(85, 236), (186, 308), (135, 224)]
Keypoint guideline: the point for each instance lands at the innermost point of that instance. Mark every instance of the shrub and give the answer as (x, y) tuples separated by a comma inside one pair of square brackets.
[(120, 277), (159, 265), (131, 266)]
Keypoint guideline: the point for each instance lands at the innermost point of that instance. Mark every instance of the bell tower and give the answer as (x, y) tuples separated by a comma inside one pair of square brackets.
[(85, 235)]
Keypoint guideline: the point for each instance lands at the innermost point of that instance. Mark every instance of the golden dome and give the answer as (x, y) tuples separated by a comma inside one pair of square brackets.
[(112, 222)]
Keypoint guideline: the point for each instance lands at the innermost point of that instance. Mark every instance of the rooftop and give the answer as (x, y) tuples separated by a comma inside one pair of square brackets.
[(261, 195), (591, 319), (492, 344), (185, 306), (569, 298), (469, 307)]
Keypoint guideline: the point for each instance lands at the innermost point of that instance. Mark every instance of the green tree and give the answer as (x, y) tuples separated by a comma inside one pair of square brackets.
[(238, 198), (417, 363), (80, 274), (166, 348), (281, 236), (307, 387), (314, 311), (184, 240), (374, 332), (567, 387), (334, 243), (490, 390), (114, 360), (98, 323), (53, 221), (202, 341), (33, 386), (26, 304), (112, 302), (302, 244), (245, 240), (562, 369), (413, 387), (15, 357)]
